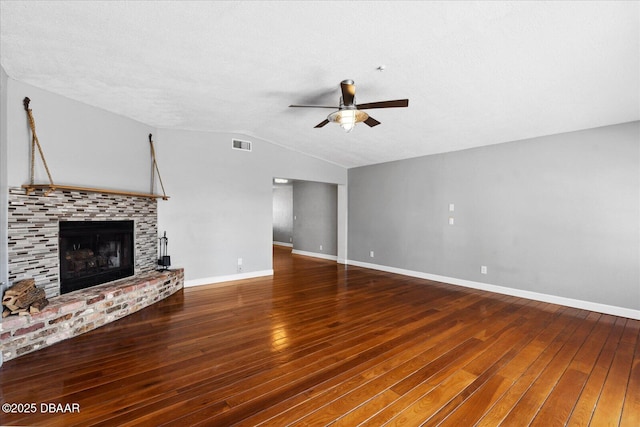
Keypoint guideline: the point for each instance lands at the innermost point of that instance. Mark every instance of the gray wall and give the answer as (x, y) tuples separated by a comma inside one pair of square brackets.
[(315, 217), (557, 215), (221, 199), (283, 213), (83, 145)]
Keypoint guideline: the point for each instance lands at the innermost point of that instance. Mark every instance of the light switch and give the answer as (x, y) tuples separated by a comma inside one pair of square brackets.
[(451, 221), (451, 207)]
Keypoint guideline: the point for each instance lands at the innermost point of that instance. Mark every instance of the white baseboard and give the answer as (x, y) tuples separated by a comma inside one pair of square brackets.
[(289, 245), (222, 279), (315, 255), (553, 299)]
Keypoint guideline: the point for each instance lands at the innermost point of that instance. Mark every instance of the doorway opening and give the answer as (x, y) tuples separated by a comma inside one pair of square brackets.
[(305, 217)]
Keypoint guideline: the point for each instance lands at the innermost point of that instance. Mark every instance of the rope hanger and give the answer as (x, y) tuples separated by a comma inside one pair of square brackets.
[(51, 187), (35, 142), (154, 169)]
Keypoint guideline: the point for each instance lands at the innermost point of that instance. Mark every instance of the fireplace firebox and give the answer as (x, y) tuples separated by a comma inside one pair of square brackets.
[(94, 252)]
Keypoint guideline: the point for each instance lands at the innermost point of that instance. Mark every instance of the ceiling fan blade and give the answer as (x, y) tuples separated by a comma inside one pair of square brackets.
[(313, 106), (371, 122), (348, 92), (322, 123), (384, 104)]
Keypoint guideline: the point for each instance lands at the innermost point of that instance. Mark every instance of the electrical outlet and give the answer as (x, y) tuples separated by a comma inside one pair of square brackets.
[(451, 221), (483, 269), (451, 207), (371, 254), (239, 265), (320, 247)]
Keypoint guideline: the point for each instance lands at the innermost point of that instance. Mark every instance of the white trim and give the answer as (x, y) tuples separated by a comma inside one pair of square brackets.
[(289, 245), (220, 279), (315, 255), (553, 299)]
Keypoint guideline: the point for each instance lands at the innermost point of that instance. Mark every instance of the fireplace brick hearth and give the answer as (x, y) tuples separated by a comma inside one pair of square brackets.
[(78, 312)]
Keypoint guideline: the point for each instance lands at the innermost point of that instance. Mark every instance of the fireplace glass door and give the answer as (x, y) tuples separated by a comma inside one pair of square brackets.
[(94, 252)]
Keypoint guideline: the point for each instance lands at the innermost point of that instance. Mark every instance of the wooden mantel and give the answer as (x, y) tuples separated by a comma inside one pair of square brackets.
[(51, 187)]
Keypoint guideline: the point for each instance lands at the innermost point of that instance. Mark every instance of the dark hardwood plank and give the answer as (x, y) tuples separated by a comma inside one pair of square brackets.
[(631, 407), (609, 408), (531, 362), (388, 379), (351, 383), (558, 406), (324, 344), (529, 404), (584, 407)]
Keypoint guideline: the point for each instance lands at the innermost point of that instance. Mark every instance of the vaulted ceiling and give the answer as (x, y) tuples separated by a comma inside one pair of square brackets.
[(476, 73)]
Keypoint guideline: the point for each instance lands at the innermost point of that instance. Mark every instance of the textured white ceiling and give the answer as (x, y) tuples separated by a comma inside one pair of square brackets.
[(476, 73)]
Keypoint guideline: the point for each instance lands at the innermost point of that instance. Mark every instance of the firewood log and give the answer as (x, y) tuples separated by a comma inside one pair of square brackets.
[(20, 287), (38, 305), (34, 294), (24, 298), (9, 301)]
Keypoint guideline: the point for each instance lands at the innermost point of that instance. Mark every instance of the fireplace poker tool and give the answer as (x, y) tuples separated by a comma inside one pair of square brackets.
[(165, 260)]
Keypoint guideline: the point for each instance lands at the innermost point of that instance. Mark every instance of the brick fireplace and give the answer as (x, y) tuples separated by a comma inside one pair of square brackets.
[(34, 225), (33, 252)]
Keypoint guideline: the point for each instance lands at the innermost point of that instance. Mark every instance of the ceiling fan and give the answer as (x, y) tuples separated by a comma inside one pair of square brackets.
[(349, 113)]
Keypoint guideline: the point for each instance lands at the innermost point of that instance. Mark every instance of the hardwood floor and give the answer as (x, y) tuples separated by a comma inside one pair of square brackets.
[(320, 344)]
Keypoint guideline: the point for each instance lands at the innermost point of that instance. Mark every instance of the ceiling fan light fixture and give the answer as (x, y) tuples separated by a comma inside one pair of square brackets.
[(349, 113), (348, 118)]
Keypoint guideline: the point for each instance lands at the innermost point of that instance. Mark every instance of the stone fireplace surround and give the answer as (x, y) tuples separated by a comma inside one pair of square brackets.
[(33, 253), (33, 230)]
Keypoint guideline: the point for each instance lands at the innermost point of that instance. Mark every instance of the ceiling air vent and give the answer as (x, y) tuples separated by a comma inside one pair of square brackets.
[(241, 145)]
